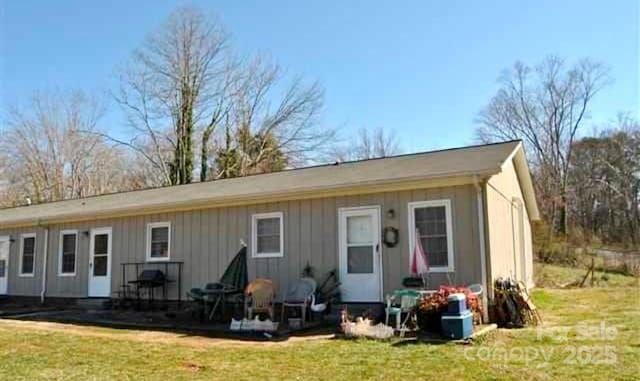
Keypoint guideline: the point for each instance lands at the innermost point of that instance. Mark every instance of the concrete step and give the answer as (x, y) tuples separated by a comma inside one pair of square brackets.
[(94, 303)]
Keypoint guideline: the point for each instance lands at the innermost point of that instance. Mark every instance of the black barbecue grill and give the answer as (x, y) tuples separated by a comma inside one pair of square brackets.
[(149, 280), (148, 277)]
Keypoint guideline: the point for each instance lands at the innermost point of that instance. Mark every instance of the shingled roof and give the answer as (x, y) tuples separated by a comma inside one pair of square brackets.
[(465, 162)]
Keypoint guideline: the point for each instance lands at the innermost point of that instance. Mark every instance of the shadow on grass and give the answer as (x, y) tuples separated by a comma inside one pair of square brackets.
[(168, 323), (419, 341)]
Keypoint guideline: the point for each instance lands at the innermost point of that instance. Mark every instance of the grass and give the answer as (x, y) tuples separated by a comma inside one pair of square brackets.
[(573, 339), (554, 276)]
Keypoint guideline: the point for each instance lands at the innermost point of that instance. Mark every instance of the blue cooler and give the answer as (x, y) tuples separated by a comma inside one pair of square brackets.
[(457, 322), (457, 304), (459, 326)]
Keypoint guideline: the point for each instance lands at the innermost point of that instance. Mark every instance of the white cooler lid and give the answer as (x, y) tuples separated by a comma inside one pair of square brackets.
[(456, 297)]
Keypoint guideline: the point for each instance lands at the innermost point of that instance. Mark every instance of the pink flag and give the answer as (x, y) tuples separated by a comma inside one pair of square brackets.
[(419, 263)]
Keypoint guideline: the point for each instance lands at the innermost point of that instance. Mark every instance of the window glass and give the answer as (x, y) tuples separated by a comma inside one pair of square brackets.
[(359, 229), (100, 254), (431, 223), (360, 259), (159, 242), (68, 253), (268, 235), (28, 254), (100, 263), (101, 244)]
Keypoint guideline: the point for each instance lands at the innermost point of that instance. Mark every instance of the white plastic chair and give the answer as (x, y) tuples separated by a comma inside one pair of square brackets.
[(476, 289), (301, 295)]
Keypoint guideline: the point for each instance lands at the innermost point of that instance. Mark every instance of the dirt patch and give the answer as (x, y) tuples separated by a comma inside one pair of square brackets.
[(193, 367), (155, 337)]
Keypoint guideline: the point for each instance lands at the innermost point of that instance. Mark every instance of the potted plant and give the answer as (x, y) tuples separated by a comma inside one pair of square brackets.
[(431, 307), (430, 310), (473, 302)]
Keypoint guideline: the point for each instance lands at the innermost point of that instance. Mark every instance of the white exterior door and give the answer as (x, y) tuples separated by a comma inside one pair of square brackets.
[(100, 263), (360, 261), (4, 264)]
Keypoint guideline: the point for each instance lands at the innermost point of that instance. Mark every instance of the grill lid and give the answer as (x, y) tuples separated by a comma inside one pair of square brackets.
[(151, 276)]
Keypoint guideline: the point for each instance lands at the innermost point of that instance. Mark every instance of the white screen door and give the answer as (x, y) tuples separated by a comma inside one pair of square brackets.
[(100, 263), (360, 258), (4, 264)]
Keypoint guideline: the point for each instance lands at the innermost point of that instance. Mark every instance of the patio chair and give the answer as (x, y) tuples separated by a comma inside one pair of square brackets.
[(258, 297), (202, 299), (231, 284), (476, 289), (198, 297), (300, 295), (401, 302)]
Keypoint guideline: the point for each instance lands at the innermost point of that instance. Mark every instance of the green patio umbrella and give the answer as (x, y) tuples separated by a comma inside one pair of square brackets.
[(235, 276)]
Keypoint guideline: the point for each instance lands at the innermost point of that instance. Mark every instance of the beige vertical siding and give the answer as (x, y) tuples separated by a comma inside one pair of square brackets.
[(206, 240), (505, 241)]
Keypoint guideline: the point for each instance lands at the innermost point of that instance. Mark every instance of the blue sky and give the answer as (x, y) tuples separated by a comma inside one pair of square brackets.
[(422, 68)]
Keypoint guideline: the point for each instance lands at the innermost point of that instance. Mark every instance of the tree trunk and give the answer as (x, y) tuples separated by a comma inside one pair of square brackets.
[(204, 154), (562, 218)]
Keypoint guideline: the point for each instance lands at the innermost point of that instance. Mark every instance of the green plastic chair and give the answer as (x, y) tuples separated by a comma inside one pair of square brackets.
[(401, 302), (198, 297)]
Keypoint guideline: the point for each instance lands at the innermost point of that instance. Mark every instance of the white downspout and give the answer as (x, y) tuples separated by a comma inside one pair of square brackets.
[(483, 258), (44, 264)]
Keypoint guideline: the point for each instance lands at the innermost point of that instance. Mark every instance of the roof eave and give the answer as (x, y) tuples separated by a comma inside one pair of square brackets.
[(526, 182), (450, 179)]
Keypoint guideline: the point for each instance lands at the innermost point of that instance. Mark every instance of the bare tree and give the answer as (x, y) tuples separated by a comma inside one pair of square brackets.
[(221, 106), (171, 88), (545, 106), (51, 151), (184, 81), (366, 145), (605, 183), (9, 194), (266, 128)]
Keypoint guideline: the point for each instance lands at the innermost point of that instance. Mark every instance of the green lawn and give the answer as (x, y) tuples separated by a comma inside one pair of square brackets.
[(38, 351), (554, 276)]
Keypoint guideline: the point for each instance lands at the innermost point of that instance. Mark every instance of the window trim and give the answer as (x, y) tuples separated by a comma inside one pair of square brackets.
[(254, 235), (150, 227), (35, 250), (60, 253), (412, 206)]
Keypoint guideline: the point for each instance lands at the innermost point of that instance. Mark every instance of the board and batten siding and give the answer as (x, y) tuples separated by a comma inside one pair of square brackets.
[(207, 239), (510, 244)]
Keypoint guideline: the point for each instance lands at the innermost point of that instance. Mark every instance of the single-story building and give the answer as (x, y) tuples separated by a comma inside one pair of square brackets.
[(471, 208)]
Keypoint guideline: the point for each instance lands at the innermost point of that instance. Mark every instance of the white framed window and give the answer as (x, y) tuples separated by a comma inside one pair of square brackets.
[(27, 254), (158, 241), (432, 221), (267, 236), (67, 250)]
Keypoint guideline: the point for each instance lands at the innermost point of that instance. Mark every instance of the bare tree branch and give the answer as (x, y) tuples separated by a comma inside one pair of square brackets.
[(53, 150), (545, 106)]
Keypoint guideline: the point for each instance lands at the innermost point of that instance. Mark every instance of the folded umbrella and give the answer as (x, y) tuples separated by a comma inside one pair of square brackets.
[(418, 263)]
